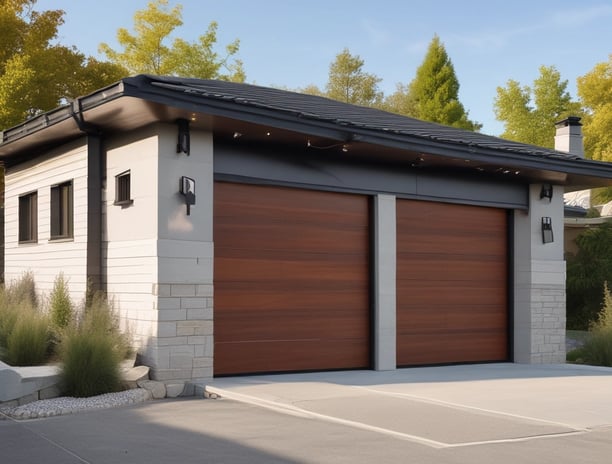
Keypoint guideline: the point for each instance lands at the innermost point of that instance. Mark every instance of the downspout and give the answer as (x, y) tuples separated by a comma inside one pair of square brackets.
[(95, 170)]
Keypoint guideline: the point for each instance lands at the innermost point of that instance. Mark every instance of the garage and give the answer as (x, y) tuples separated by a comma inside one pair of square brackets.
[(452, 277), (291, 276)]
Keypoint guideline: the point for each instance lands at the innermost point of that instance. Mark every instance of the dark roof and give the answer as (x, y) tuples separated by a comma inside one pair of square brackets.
[(224, 106), (316, 108)]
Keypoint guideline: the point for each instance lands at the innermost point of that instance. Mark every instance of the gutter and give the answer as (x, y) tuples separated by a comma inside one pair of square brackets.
[(95, 172)]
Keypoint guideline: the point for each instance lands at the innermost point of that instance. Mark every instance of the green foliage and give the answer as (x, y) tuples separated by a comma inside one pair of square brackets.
[(601, 195), (597, 348), (147, 50), (595, 91), (433, 95), (587, 272), (350, 84), (28, 342), (91, 351), (90, 364), (23, 290), (24, 331), (535, 124), (60, 305), (36, 73)]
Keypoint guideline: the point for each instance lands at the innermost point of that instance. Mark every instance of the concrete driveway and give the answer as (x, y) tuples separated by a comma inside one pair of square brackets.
[(442, 407), (500, 413)]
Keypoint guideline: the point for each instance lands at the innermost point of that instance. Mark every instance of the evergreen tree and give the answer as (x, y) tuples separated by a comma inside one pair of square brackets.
[(433, 95)]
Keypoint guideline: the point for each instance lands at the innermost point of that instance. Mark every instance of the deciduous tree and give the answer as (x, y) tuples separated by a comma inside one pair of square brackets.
[(595, 92), (349, 83), (37, 74), (529, 114), (149, 49)]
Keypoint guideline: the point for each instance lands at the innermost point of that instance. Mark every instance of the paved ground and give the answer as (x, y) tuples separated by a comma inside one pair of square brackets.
[(468, 414)]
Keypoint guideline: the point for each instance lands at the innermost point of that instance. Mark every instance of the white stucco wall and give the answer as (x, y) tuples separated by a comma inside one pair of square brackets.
[(46, 259)]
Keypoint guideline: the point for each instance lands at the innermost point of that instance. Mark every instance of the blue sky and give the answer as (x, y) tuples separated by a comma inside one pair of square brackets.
[(290, 43)]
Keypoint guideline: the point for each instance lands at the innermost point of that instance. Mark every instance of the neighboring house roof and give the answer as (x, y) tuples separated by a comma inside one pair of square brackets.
[(231, 108)]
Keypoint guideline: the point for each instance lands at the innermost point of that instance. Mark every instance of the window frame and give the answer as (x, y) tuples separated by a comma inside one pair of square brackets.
[(61, 208), (30, 218), (123, 189)]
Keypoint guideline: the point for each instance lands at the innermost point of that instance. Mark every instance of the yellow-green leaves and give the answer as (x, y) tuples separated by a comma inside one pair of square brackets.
[(150, 49)]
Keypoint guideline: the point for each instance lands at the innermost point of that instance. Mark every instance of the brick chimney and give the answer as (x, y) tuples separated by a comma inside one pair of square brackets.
[(568, 137)]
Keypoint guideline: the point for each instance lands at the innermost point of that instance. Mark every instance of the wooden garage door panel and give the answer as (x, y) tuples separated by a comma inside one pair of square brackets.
[(435, 318), (291, 274), (465, 347), (329, 268), (299, 323), (411, 266), (451, 283), (289, 355)]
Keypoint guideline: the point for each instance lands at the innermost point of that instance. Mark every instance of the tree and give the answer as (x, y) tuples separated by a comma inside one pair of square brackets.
[(349, 83), (37, 75), (535, 124), (147, 50), (587, 272), (595, 92), (433, 95)]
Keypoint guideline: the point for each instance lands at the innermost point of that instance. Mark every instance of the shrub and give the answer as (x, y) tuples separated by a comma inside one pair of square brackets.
[(24, 334), (23, 291), (60, 305), (596, 351), (90, 364), (28, 342), (91, 351), (597, 348), (586, 273)]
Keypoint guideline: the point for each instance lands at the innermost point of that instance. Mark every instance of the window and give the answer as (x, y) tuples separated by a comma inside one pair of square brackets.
[(122, 189), (61, 211), (28, 222)]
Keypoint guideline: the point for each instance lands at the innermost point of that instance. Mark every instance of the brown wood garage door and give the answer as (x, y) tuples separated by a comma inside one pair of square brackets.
[(291, 279), (451, 283)]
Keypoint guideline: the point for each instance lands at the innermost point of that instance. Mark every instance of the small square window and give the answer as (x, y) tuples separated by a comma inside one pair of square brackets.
[(28, 218), (61, 211), (123, 189)]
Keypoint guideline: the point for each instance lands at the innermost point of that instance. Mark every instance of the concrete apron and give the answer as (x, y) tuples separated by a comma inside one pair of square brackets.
[(441, 407)]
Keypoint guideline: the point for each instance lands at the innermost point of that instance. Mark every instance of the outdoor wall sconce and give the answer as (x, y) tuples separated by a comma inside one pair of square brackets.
[(547, 232), (187, 189), (182, 145), (546, 192)]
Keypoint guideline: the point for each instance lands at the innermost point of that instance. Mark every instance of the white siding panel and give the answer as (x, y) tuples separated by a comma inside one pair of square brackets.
[(129, 235), (46, 259)]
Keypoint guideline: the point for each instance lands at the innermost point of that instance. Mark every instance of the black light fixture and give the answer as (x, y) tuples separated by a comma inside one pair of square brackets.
[(546, 192), (547, 231), (182, 145), (187, 189)]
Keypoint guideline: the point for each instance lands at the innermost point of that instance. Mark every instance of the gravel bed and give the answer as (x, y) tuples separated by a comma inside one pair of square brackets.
[(69, 405)]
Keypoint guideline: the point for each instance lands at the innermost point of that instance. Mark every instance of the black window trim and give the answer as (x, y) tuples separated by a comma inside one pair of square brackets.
[(33, 218), (123, 202), (54, 234)]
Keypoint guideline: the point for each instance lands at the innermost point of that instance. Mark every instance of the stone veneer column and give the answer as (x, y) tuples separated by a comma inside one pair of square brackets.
[(184, 346), (539, 282)]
